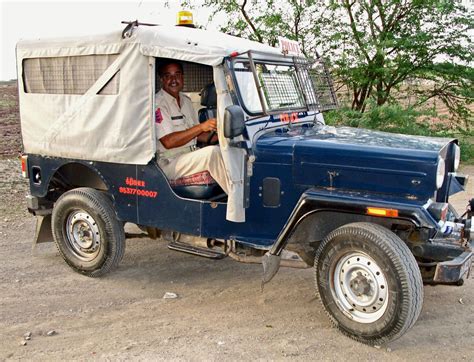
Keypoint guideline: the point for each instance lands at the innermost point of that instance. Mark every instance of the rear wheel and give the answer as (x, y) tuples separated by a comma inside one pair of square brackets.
[(368, 282), (87, 232)]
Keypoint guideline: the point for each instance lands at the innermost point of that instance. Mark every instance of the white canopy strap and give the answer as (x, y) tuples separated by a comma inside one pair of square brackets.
[(234, 158), (71, 111)]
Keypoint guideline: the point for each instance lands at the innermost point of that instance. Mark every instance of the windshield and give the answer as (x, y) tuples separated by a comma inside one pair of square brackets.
[(279, 86), (271, 87)]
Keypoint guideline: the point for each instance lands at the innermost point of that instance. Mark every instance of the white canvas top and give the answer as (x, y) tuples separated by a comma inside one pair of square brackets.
[(117, 126), (188, 44)]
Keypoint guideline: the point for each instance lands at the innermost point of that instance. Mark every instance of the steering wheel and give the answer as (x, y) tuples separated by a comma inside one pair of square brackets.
[(211, 136), (208, 140)]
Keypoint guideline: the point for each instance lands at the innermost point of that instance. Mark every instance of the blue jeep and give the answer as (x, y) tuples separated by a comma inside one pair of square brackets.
[(369, 211)]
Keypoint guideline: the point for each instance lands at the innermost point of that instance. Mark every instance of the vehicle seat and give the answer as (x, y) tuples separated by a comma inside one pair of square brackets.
[(208, 100), (199, 186)]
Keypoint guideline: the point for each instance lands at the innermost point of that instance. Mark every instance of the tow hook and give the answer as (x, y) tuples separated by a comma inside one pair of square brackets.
[(469, 221), (469, 229)]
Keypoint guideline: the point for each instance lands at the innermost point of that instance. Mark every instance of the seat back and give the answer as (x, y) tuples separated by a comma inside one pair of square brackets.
[(209, 101), (204, 114)]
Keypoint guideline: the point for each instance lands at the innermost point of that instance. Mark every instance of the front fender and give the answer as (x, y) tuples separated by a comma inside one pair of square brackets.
[(355, 203)]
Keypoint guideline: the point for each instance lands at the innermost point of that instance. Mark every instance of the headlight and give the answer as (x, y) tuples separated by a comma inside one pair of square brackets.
[(457, 157), (440, 172)]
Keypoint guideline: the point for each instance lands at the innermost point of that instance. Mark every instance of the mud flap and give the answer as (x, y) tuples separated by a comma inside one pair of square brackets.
[(271, 264), (43, 232)]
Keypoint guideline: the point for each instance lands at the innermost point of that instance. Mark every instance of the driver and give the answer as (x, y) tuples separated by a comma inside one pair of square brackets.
[(177, 130)]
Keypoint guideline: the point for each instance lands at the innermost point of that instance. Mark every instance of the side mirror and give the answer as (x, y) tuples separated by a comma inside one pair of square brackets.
[(234, 121)]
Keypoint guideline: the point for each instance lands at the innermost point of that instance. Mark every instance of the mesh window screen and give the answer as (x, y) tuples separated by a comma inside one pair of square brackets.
[(317, 85), (280, 87), (196, 76), (68, 75)]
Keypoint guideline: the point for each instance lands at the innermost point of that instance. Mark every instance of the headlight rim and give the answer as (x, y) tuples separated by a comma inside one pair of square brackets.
[(457, 157), (440, 172)]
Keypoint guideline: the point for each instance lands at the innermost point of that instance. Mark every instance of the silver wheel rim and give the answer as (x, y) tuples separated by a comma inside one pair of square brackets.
[(360, 288), (83, 237)]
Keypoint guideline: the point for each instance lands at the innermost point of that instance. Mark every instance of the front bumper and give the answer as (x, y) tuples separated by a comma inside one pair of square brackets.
[(455, 270), (454, 258)]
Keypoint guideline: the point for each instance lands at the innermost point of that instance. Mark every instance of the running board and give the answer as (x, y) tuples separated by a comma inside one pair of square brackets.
[(196, 250)]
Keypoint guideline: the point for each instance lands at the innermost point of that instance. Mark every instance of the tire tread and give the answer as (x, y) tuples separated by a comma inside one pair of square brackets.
[(403, 259), (103, 205)]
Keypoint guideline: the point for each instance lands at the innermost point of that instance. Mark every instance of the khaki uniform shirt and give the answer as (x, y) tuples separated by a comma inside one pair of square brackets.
[(169, 118)]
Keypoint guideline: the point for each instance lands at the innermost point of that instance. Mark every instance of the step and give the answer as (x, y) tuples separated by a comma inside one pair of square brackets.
[(195, 250)]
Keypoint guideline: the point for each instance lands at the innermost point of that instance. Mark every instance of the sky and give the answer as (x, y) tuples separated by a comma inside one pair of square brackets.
[(46, 19)]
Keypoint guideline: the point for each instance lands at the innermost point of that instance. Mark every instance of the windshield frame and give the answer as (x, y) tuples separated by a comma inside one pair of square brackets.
[(298, 63)]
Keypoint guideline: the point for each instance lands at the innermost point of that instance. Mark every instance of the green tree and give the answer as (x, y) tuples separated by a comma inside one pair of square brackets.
[(385, 43), (264, 21), (374, 46)]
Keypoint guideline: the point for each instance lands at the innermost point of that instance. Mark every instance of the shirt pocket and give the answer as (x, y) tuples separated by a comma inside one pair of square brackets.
[(179, 123)]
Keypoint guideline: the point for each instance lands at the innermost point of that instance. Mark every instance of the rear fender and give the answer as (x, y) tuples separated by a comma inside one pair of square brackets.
[(56, 177), (66, 174)]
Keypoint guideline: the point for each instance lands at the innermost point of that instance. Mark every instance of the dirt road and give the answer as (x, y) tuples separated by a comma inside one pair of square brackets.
[(220, 312)]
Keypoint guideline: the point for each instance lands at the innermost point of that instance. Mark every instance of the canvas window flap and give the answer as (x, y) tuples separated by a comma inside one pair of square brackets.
[(68, 75), (234, 158), (24, 52), (110, 128)]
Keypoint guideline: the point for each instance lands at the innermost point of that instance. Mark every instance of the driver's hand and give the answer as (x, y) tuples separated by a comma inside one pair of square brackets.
[(209, 126)]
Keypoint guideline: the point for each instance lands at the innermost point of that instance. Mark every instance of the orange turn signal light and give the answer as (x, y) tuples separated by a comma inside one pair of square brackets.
[(24, 166), (378, 211)]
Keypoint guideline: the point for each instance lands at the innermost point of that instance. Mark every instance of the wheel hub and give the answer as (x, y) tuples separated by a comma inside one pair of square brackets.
[(360, 288), (360, 285), (83, 235)]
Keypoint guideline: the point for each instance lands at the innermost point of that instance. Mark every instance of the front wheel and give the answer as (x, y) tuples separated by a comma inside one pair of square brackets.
[(368, 282), (87, 232)]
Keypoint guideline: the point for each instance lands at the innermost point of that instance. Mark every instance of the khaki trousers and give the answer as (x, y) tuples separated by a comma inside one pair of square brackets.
[(208, 158)]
